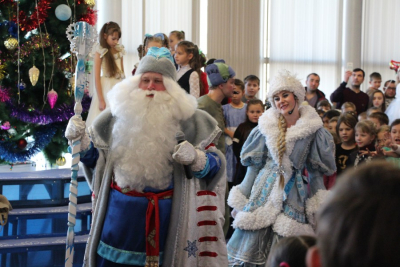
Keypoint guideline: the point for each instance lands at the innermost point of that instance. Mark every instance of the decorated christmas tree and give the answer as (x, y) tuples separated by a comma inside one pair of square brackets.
[(36, 76)]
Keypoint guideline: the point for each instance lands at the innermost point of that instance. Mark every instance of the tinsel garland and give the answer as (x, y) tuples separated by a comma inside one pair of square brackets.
[(61, 113), (30, 23), (90, 16), (11, 153), (35, 44)]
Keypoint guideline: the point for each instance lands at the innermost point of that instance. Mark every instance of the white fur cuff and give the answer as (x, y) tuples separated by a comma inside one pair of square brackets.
[(286, 226), (200, 162), (85, 142), (260, 218), (236, 199), (313, 204)]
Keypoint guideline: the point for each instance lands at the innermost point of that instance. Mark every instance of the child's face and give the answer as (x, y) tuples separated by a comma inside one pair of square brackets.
[(348, 109), (380, 141), (395, 134), (324, 108), (376, 122), (151, 44), (254, 112), (112, 39), (375, 83), (173, 40), (332, 126), (326, 122), (346, 133), (363, 139), (377, 101), (181, 57), (237, 95), (251, 88), (361, 117)]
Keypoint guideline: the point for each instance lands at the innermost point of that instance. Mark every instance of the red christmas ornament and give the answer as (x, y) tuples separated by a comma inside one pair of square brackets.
[(21, 143)]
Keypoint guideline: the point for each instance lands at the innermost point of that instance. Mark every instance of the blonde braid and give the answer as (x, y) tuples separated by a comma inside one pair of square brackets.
[(281, 147)]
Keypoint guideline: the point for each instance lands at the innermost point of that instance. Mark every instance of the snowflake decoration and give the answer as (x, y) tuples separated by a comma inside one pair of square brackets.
[(191, 248)]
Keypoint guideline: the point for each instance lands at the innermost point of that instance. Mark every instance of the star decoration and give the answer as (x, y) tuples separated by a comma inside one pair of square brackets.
[(191, 248)]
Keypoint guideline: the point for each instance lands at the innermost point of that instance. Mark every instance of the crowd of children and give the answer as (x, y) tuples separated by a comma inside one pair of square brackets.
[(359, 138)]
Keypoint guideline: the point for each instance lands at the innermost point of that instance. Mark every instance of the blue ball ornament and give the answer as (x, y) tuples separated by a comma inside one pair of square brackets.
[(22, 85), (63, 12)]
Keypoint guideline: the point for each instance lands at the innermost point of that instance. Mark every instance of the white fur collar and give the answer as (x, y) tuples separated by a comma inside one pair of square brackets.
[(308, 123)]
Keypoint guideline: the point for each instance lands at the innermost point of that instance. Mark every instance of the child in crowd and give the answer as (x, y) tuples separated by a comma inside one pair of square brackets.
[(362, 116), (234, 114), (251, 88), (382, 136), (332, 123), (174, 38), (255, 108), (377, 99), (188, 58), (346, 151), (320, 113), (365, 138), (140, 50), (375, 80), (379, 119), (358, 224), (373, 110), (349, 106), (395, 135), (108, 68), (391, 142), (324, 105), (156, 40), (291, 251), (332, 129), (383, 142), (328, 116)]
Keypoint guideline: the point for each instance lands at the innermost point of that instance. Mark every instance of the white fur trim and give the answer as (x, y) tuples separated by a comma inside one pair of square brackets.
[(258, 219), (308, 123), (313, 204), (236, 199), (200, 161), (286, 226), (261, 217)]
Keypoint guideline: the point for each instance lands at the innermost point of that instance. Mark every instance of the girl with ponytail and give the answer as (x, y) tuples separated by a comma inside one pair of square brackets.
[(188, 58), (275, 199)]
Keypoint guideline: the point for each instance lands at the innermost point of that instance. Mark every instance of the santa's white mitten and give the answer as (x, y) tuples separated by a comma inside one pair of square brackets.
[(76, 131), (184, 153)]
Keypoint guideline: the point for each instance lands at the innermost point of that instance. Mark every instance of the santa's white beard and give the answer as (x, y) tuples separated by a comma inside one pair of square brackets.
[(144, 132), (144, 139)]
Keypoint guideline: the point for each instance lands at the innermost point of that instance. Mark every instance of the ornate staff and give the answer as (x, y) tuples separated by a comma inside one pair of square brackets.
[(82, 37)]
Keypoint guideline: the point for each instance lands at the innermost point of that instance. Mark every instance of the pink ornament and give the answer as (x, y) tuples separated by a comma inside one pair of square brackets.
[(5, 126), (4, 94), (52, 97)]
